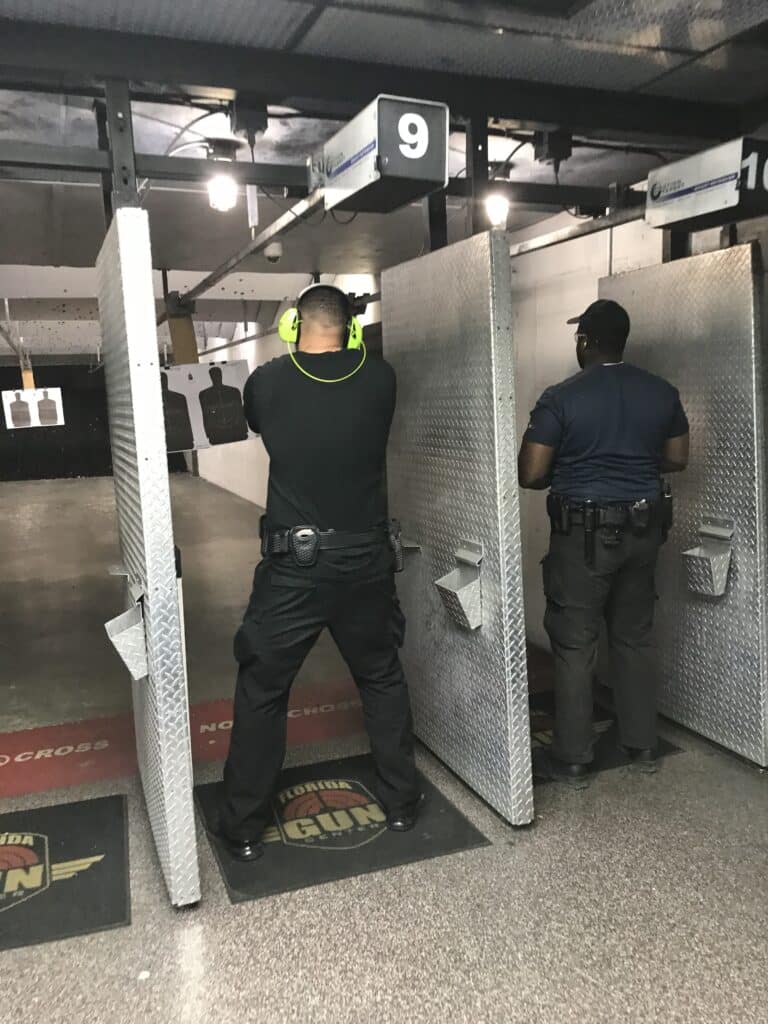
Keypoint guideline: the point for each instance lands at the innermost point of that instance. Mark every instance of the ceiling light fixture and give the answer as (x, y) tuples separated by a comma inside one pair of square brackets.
[(497, 209), (223, 190)]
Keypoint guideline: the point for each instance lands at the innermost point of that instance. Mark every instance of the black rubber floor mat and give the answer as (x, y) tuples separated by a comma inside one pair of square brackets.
[(328, 826), (63, 871)]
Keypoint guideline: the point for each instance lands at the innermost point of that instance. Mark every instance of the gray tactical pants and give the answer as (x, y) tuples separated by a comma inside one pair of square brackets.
[(620, 590)]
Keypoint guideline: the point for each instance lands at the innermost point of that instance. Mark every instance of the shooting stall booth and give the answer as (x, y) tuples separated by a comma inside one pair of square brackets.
[(466, 383), (453, 482), (699, 323), (394, 150)]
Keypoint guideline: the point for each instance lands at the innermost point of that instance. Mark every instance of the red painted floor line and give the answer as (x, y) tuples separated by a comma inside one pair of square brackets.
[(74, 753)]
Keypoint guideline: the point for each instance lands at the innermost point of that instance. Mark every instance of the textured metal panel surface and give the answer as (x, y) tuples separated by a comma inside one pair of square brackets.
[(126, 633), (696, 322), (707, 571), (447, 331), (137, 433), (462, 598)]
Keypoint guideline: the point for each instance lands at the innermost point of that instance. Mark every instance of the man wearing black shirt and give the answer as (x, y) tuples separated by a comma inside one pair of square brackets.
[(324, 414), (601, 441)]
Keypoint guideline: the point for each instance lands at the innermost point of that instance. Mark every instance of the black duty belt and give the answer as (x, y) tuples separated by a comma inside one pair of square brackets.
[(279, 542), (605, 515), (638, 515), (610, 519), (305, 542)]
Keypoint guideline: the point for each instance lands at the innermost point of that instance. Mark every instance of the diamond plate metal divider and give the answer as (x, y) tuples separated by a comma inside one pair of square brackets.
[(697, 322), (137, 433), (447, 331)]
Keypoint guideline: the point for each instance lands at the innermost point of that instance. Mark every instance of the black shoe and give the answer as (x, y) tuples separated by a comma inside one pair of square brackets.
[(238, 849), (645, 761), (547, 767), (404, 819)]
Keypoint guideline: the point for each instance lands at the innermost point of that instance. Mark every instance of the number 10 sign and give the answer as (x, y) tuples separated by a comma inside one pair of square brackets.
[(393, 151)]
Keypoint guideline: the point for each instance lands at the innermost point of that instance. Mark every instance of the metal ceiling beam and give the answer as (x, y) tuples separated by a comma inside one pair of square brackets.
[(121, 151), (164, 168), (587, 227), (54, 158), (754, 115), (284, 223), (476, 167), (79, 159), (41, 80), (79, 163), (305, 25), (535, 193), (435, 221), (102, 137), (344, 86)]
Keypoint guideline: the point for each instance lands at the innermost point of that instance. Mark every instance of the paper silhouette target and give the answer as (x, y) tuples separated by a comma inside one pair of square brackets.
[(203, 404), (35, 407)]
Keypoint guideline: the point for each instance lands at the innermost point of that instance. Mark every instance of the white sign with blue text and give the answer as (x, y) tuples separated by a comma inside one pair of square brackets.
[(695, 187)]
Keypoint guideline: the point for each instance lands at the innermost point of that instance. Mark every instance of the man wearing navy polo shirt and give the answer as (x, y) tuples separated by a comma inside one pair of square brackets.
[(601, 442)]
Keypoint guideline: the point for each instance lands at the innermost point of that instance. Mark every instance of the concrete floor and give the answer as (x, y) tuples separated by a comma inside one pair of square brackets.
[(642, 899), (59, 541)]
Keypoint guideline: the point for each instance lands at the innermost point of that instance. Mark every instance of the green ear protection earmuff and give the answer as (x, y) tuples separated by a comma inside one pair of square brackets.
[(289, 325), (289, 330)]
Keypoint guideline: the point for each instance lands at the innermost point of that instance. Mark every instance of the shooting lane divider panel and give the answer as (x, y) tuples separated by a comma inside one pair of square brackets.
[(697, 322), (160, 700), (452, 475)]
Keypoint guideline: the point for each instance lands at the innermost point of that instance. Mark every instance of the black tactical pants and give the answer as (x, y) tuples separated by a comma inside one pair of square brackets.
[(619, 588), (283, 620)]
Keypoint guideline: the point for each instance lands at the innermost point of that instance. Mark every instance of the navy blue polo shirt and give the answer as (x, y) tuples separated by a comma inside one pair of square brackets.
[(608, 426)]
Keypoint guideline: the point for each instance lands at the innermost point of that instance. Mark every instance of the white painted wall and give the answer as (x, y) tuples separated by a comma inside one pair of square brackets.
[(549, 287), (243, 468)]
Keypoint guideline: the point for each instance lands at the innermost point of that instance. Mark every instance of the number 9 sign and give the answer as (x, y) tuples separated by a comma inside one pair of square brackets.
[(392, 152), (413, 140), (414, 131)]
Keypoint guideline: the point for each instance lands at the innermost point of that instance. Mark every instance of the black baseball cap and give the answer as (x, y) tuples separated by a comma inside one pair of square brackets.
[(604, 318)]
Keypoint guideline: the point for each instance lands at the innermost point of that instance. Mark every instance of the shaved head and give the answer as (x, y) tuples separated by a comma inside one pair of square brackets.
[(325, 309)]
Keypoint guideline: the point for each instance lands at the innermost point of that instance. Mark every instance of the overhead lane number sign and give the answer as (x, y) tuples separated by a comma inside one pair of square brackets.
[(392, 152), (720, 185)]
